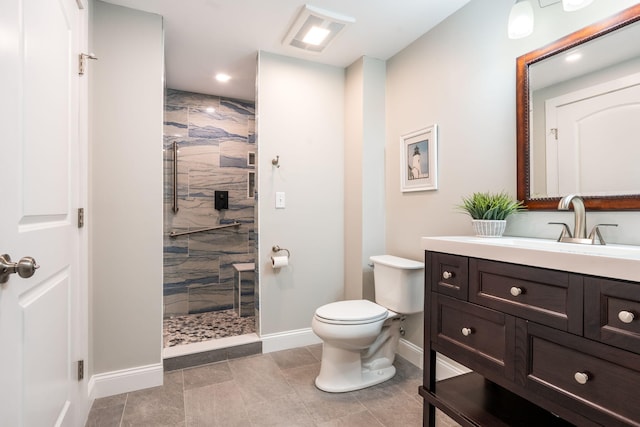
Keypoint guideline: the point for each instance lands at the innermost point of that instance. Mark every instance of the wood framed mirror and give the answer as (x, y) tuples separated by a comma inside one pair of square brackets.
[(605, 181)]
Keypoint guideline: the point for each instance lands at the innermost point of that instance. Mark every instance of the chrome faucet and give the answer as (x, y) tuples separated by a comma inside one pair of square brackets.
[(580, 216), (580, 227)]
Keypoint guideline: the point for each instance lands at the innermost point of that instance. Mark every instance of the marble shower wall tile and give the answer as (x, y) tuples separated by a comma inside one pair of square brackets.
[(203, 299), (251, 128), (234, 154), (187, 99), (175, 121), (218, 124), (214, 137)]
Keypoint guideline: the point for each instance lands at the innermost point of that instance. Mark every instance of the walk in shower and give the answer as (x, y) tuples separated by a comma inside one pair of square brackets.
[(210, 231)]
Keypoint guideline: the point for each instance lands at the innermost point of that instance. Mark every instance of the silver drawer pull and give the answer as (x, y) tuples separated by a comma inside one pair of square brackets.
[(515, 291), (626, 316), (447, 274), (467, 331), (581, 377)]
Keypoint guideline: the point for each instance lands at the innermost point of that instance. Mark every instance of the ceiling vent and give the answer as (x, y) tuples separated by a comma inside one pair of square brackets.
[(314, 29)]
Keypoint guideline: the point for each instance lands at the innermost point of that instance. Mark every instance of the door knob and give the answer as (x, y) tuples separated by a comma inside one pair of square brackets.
[(25, 267)]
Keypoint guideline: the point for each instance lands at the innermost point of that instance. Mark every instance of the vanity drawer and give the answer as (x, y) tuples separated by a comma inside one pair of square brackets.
[(479, 338), (612, 312), (449, 275), (549, 297), (584, 376)]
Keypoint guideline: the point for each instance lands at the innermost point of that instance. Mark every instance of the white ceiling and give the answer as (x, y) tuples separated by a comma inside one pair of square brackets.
[(204, 37)]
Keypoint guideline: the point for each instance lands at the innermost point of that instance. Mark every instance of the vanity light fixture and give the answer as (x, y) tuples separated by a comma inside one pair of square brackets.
[(571, 5), (520, 20), (314, 29), (521, 16)]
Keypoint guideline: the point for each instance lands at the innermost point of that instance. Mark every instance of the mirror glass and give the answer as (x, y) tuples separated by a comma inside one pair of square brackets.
[(579, 117)]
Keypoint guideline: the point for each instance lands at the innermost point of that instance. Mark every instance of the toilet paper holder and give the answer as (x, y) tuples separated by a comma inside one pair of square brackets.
[(277, 248)]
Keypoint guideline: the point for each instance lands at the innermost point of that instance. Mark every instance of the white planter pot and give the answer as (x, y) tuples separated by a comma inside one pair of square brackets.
[(489, 228)]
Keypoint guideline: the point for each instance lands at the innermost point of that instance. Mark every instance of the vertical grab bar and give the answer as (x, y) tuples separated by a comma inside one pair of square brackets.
[(175, 176)]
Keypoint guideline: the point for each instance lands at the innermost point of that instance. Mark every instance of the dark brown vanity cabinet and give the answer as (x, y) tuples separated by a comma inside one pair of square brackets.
[(546, 347)]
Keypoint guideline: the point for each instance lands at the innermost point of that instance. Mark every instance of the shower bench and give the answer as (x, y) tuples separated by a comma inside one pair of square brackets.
[(244, 288)]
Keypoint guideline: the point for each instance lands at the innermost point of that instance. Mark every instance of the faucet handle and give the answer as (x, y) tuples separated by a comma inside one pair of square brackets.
[(595, 232), (565, 233)]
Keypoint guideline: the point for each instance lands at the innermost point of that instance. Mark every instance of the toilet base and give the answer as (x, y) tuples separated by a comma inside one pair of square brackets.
[(369, 378), (343, 369)]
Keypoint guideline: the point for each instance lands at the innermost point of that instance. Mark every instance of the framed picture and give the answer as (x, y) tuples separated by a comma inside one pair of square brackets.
[(419, 160)]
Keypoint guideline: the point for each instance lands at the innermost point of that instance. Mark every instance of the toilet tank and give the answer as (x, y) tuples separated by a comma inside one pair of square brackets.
[(398, 283)]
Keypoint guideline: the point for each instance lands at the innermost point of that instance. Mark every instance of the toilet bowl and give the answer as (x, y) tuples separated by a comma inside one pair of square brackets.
[(345, 338), (360, 337)]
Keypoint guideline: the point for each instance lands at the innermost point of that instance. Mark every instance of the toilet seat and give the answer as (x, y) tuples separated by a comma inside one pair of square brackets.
[(351, 312)]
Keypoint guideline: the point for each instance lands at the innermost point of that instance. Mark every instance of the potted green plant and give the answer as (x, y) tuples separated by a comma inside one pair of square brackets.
[(489, 212)]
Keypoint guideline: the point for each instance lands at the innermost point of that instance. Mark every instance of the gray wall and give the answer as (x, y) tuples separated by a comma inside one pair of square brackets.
[(300, 117), (461, 75), (364, 173), (125, 189)]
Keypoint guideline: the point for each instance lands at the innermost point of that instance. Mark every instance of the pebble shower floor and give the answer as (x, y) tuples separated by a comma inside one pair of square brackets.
[(193, 328)]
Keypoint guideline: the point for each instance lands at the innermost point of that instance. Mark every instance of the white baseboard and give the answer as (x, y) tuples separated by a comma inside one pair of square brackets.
[(411, 352), (447, 368), (289, 339), (124, 381)]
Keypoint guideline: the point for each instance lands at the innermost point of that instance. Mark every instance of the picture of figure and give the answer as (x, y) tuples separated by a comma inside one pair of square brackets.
[(418, 160)]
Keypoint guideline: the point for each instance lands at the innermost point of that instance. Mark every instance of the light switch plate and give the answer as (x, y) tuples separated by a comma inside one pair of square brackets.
[(280, 200)]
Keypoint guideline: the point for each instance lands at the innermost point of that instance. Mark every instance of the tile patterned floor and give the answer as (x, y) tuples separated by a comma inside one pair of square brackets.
[(193, 328), (274, 389)]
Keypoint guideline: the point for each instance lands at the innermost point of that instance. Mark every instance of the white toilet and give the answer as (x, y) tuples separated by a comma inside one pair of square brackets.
[(360, 338)]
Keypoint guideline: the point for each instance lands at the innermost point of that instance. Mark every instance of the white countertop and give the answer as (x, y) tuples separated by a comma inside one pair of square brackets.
[(614, 261)]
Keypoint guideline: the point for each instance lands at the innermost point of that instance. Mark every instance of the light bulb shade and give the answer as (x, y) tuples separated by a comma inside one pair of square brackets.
[(571, 5), (520, 20)]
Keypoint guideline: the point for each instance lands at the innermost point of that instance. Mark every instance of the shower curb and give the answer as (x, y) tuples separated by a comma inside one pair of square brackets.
[(211, 356)]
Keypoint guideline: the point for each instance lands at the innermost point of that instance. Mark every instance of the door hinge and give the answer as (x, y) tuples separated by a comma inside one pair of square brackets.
[(80, 370), (82, 61), (554, 131), (80, 217)]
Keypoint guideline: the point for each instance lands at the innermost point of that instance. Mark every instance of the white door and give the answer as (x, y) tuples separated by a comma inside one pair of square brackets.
[(39, 196), (595, 147)]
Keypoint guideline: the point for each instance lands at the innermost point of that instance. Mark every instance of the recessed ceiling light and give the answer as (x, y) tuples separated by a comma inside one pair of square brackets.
[(573, 57), (314, 29), (210, 110), (222, 77)]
